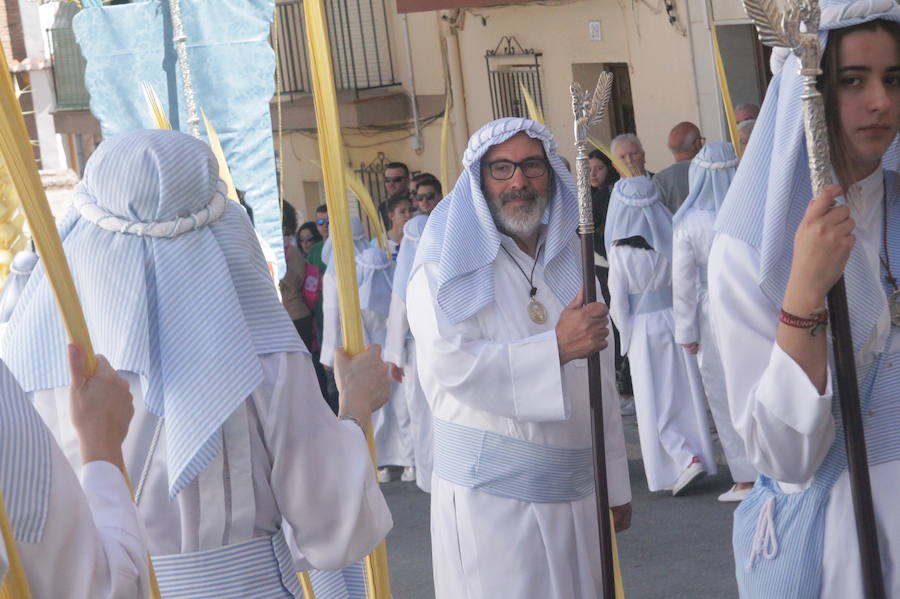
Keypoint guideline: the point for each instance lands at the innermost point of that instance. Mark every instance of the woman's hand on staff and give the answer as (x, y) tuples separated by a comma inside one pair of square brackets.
[(822, 247)]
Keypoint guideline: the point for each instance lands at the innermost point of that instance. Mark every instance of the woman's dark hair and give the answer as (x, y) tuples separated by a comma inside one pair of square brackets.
[(829, 85), (636, 242), (612, 175), (395, 200), (310, 227), (288, 218)]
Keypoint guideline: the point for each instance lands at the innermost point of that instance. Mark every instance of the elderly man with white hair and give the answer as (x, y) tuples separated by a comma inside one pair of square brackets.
[(629, 151), (495, 306)]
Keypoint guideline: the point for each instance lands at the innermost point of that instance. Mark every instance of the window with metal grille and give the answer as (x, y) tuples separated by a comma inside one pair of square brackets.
[(512, 68), (359, 39)]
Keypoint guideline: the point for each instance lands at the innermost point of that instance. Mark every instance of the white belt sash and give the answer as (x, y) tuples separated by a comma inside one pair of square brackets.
[(511, 468)]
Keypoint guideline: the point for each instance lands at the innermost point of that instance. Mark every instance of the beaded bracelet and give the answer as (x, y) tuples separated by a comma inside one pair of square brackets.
[(817, 319)]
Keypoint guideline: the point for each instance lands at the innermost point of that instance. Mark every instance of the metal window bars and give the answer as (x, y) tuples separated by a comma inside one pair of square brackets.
[(510, 68)]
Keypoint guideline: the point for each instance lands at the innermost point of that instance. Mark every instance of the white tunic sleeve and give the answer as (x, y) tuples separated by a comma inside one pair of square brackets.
[(92, 544), (685, 289), (321, 473), (519, 379), (618, 296), (331, 319), (786, 425), (397, 330)]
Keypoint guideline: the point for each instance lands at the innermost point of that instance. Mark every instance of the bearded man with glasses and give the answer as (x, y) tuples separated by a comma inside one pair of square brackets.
[(495, 306)]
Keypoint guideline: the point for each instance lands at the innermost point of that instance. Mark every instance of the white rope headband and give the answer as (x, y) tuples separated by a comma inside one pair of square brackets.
[(210, 213), (718, 165)]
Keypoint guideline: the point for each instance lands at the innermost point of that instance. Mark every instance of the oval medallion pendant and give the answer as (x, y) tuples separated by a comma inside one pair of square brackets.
[(894, 305), (537, 312)]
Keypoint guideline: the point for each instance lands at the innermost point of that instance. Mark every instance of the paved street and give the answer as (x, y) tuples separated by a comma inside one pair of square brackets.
[(676, 547)]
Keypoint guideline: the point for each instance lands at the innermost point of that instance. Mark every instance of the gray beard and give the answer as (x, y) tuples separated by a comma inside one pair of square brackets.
[(524, 222)]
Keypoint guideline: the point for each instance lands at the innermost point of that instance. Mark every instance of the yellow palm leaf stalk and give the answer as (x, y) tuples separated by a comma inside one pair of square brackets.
[(216, 146), (15, 586), (445, 145), (160, 118), (17, 153), (726, 95), (368, 205), (534, 111), (331, 152)]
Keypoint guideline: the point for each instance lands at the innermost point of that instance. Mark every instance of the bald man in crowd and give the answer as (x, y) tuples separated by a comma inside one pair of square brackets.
[(684, 143)]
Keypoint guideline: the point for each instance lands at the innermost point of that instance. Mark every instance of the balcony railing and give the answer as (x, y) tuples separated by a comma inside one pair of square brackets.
[(68, 70), (360, 47)]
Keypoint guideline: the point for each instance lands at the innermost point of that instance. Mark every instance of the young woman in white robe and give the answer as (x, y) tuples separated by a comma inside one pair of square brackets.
[(711, 172), (668, 391), (400, 354), (779, 253), (391, 423)]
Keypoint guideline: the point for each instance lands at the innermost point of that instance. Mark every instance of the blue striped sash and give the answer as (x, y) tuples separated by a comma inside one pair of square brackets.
[(651, 301), (511, 468), (261, 568)]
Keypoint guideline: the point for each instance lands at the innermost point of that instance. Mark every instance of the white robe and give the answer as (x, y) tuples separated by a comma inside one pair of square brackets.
[(92, 545), (308, 470), (390, 423), (668, 390), (786, 425), (400, 349), (498, 371), (693, 238)]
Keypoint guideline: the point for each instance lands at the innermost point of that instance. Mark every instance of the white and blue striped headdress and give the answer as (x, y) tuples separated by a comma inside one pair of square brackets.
[(462, 239), (173, 285), (412, 233), (359, 240), (710, 176), (636, 208), (26, 464), (373, 272), (771, 189)]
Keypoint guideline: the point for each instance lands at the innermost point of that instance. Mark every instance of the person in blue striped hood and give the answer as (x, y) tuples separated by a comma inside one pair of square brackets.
[(495, 305), (231, 437), (74, 540), (777, 253)]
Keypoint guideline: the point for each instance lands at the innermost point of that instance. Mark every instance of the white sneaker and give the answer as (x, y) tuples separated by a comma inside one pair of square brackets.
[(409, 474), (694, 472), (383, 475), (734, 494)]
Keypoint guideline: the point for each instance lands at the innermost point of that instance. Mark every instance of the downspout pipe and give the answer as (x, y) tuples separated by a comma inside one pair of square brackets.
[(419, 142)]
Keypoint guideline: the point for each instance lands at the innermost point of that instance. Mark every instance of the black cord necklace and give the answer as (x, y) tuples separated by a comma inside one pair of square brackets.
[(894, 299), (536, 310)]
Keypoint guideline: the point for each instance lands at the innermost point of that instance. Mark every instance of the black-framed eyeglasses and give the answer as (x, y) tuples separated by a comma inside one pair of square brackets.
[(426, 196), (322, 221), (393, 179), (502, 170)]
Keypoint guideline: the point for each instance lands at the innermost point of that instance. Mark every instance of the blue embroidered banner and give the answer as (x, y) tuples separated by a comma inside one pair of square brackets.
[(233, 75)]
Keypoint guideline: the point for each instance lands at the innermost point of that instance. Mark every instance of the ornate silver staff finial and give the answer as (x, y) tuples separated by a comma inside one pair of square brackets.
[(589, 109), (797, 29)]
